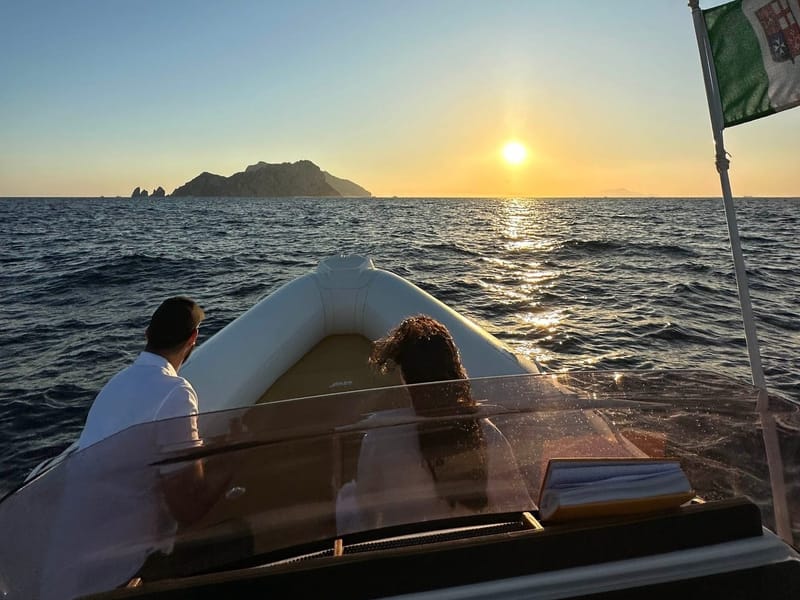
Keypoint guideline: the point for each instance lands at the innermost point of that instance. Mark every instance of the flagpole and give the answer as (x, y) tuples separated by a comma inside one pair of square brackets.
[(774, 460), (715, 108)]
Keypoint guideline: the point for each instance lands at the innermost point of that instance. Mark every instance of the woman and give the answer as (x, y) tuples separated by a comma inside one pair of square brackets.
[(425, 352), (449, 462)]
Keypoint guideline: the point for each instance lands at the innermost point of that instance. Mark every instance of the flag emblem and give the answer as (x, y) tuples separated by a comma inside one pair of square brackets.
[(780, 26)]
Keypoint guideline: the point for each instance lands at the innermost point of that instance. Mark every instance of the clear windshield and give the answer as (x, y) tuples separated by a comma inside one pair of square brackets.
[(267, 482)]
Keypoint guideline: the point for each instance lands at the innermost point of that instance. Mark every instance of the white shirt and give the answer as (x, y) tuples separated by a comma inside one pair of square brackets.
[(148, 390), (118, 492), (394, 486)]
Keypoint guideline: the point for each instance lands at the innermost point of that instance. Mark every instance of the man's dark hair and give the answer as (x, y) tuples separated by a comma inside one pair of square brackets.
[(173, 323)]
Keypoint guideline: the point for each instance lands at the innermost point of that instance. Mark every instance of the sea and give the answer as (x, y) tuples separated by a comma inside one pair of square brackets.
[(575, 284)]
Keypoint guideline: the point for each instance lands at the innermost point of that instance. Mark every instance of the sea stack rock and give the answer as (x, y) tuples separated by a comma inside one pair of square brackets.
[(144, 194), (158, 192), (136, 192)]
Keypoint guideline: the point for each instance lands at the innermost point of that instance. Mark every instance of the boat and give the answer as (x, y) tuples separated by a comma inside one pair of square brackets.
[(276, 351), (287, 404)]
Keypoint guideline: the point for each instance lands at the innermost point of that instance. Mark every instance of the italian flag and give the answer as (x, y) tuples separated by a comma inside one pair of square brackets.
[(756, 50)]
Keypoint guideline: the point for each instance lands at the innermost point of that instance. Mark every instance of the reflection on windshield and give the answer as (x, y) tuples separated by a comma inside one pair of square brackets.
[(272, 480)]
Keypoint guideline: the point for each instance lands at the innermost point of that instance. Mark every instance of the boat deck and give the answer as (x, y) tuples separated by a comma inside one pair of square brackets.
[(338, 363)]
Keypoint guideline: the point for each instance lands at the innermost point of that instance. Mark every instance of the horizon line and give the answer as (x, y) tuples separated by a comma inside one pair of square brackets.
[(417, 197)]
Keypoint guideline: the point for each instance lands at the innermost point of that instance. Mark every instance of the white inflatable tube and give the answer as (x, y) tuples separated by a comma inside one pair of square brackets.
[(345, 295)]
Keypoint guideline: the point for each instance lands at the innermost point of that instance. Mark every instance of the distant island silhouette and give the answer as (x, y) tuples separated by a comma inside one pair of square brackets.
[(621, 193), (301, 178)]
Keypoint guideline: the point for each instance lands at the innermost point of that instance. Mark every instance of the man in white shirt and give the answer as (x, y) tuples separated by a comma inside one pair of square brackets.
[(150, 389), (141, 507)]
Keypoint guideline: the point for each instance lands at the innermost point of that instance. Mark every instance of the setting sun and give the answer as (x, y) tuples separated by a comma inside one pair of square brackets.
[(514, 153)]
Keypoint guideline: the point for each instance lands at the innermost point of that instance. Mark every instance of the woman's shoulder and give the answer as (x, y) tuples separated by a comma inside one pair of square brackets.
[(497, 444), (491, 431)]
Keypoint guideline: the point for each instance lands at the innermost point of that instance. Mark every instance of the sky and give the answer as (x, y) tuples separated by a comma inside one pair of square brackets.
[(406, 98)]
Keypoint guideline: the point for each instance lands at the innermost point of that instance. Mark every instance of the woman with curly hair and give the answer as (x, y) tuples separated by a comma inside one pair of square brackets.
[(441, 459), (454, 452)]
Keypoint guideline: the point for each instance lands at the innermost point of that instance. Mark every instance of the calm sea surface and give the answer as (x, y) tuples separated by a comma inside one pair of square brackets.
[(575, 284)]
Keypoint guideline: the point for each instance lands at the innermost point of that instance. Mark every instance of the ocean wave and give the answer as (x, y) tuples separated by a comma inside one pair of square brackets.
[(695, 288), (122, 270), (595, 247), (452, 247)]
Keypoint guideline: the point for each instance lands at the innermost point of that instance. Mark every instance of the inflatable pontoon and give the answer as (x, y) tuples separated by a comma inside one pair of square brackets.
[(312, 336)]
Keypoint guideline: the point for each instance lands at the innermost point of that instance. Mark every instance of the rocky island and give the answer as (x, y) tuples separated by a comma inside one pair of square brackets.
[(301, 178), (265, 180)]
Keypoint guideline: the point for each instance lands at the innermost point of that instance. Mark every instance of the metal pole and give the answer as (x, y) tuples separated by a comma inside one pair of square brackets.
[(774, 460), (722, 162)]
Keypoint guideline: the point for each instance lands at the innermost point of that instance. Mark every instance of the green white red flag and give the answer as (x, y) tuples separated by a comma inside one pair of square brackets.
[(755, 46)]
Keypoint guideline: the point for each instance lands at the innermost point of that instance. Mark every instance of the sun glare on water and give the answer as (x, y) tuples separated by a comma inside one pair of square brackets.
[(514, 153)]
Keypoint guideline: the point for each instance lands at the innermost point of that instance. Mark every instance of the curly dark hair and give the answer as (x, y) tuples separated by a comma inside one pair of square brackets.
[(425, 351), (455, 451)]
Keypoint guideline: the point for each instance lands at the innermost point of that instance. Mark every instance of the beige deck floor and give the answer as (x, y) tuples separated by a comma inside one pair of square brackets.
[(337, 364)]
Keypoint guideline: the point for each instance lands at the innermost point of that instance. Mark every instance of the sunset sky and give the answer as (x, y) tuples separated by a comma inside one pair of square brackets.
[(406, 98)]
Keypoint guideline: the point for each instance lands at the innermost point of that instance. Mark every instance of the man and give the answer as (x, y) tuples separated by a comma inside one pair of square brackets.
[(150, 389), (141, 505)]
